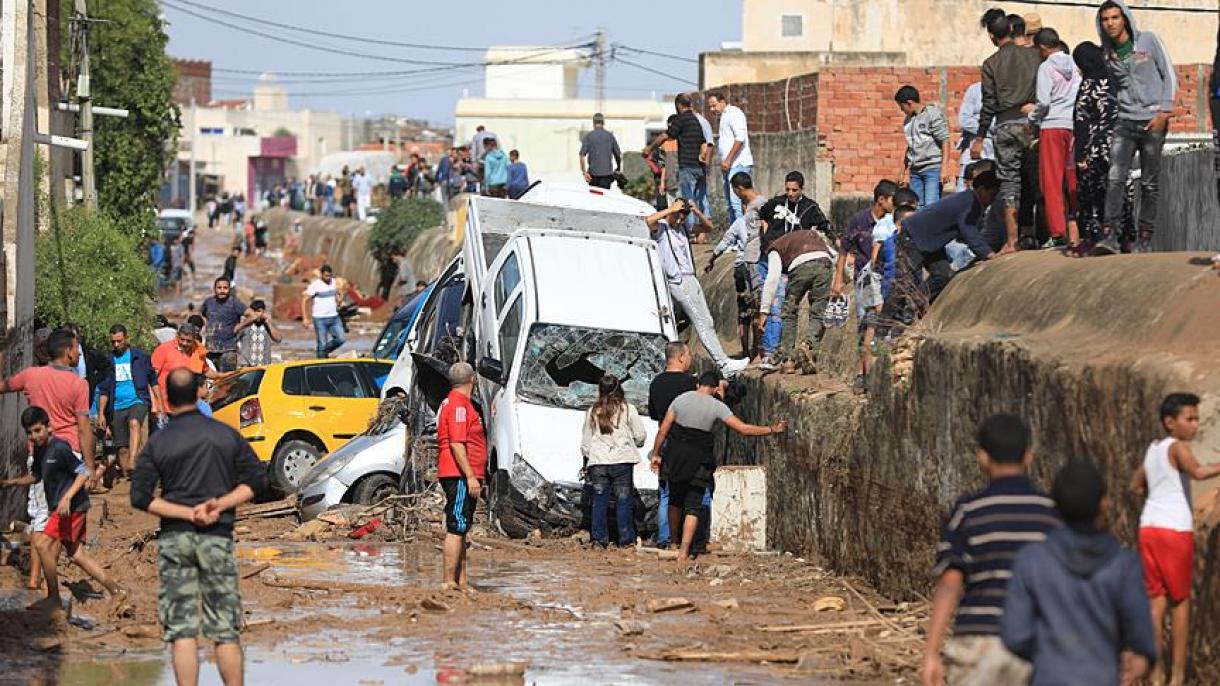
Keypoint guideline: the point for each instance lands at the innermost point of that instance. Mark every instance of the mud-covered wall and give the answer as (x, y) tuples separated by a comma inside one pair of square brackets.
[(344, 242), (1083, 349)]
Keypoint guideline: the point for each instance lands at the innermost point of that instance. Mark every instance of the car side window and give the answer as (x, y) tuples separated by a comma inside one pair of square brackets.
[(507, 280), (375, 373), (510, 332), (294, 381), (333, 381)]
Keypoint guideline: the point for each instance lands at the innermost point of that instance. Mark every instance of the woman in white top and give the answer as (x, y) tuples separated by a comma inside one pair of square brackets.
[(610, 442)]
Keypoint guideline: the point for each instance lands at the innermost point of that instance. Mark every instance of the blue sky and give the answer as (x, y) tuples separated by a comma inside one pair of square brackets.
[(682, 29)]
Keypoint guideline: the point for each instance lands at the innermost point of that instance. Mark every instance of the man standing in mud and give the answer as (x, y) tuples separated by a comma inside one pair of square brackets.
[(205, 470), (462, 462)]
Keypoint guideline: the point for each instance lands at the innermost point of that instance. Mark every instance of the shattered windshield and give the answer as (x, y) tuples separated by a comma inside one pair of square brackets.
[(563, 364)]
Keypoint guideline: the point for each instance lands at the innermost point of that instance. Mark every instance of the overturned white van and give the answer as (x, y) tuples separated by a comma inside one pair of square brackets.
[(560, 296)]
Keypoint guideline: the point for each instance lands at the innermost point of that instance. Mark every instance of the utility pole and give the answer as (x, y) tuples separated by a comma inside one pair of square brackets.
[(599, 65), (190, 176), (83, 99)]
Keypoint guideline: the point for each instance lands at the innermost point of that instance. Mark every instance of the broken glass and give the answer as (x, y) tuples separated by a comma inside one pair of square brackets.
[(563, 364)]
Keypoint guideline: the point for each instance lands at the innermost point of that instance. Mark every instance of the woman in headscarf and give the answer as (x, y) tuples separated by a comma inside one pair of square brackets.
[(1095, 116)]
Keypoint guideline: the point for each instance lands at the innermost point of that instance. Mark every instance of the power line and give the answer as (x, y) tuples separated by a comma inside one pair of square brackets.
[(650, 70), (331, 34), (303, 44), (641, 51), (1141, 8)]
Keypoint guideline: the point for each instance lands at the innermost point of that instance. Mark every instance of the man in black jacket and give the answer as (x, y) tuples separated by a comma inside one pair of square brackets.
[(205, 470)]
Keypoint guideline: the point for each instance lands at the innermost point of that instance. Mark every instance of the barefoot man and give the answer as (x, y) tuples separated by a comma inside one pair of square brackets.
[(462, 463)]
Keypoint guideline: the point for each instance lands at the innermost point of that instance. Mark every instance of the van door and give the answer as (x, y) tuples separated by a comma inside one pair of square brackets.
[(472, 248), (500, 315)]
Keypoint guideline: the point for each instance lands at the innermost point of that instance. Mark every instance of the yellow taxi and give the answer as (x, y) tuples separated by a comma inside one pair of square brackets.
[(293, 413)]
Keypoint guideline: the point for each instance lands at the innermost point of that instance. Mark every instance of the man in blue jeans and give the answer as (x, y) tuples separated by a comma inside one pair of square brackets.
[(734, 147), (927, 156), (320, 303), (693, 148)]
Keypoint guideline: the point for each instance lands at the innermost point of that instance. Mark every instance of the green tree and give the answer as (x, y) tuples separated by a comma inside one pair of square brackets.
[(401, 224), (89, 269), (285, 132), (130, 69)]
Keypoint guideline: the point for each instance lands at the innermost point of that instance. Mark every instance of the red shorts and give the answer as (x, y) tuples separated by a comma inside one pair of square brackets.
[(70, 529), (1169, 562)]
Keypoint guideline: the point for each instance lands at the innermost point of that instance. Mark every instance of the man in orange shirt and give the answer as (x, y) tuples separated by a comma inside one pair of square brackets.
[(461, 469), (182, 351)]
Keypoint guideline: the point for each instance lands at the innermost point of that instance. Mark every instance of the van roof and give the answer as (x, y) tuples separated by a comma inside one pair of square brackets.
[(584, 197), (610, 286)]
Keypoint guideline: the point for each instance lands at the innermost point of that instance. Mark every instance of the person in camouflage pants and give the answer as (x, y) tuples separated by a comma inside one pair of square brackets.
[(198, 570), (205, 470)]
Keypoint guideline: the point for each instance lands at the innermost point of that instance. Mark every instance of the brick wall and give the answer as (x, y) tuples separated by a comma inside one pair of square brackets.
[(859, 127), (194, 82)]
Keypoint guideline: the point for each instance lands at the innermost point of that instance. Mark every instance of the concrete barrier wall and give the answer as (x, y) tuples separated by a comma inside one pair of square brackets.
[(344, 242), (1084, 349)]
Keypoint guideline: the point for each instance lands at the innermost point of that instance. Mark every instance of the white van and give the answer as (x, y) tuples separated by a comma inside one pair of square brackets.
[(579, 196), (560, 297)]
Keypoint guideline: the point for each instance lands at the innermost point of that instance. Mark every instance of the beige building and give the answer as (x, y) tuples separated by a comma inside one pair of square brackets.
[(782, 38), (250, 145), (531, 103)]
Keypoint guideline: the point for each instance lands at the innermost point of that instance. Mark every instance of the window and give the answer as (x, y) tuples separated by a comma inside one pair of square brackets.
[(510, 333), (230, 389), (792, 25), (563, 364), (294, 381), (376, 373), (507, 280), (333, 381)]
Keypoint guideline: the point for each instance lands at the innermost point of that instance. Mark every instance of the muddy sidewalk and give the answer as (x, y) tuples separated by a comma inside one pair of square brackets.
[(336, 610)]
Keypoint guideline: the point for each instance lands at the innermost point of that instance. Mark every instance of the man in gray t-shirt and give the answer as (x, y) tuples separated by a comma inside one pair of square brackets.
[(685, 441), (600, 156)]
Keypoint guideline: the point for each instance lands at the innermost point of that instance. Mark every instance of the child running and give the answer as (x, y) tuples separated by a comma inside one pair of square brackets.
[(1167, 530), (63, 477)]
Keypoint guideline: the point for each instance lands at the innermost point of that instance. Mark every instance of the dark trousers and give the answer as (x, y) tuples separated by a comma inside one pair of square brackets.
[(1132, 138), (906, 301), (602, 181), (607, 479)]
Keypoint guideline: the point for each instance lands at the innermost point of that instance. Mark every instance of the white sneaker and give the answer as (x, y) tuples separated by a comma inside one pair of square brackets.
[(766, 364), (732, 368)]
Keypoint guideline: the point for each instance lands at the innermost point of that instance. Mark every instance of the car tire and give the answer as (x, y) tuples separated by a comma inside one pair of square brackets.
[(292, 460), (508, 511), (374, 488)]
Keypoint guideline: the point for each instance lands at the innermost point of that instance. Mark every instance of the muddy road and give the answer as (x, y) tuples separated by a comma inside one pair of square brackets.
[(324, 609), (333, 610)]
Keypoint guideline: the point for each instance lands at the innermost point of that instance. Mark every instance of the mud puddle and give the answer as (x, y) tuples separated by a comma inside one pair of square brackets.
[(525, 611)]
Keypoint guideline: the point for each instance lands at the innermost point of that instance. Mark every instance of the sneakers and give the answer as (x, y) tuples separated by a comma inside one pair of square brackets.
[(732, 368), (767, 364), (1055, 243), (836, 312), (1105, 246)]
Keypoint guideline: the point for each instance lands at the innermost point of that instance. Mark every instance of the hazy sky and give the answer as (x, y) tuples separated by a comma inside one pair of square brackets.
[(684, 29)]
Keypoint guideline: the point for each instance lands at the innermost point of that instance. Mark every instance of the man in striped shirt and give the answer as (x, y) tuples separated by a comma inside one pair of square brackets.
[(974, 559)]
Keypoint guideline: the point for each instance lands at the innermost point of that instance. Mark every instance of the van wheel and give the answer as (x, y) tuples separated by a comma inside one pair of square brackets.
[(373, 489), (508, 512), (292, 460)]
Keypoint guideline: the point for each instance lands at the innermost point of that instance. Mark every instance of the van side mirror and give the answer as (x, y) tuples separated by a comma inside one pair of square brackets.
[(492, 370)]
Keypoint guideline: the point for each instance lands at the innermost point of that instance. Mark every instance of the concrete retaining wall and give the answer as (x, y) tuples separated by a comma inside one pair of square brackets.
[(344, 243), (1084, 349)]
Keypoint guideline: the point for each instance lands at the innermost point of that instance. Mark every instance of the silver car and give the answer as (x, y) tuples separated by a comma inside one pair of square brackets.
[(364, 471)]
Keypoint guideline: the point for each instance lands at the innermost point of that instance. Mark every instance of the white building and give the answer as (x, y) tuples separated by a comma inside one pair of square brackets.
[(251, 145), (531, 103)]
